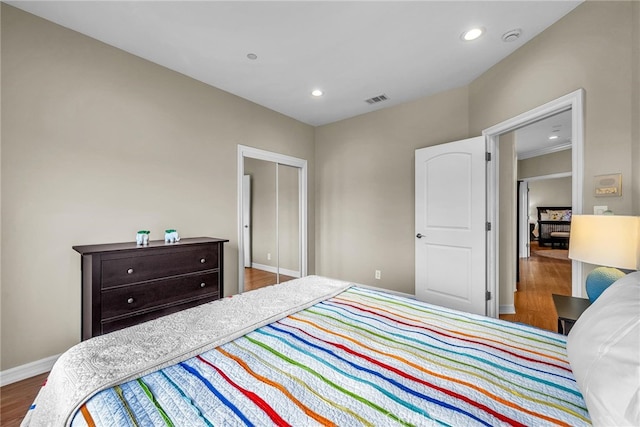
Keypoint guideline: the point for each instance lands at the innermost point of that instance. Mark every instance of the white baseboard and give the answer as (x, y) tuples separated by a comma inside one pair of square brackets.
[(28, 370), (507, 309), (272, 269)]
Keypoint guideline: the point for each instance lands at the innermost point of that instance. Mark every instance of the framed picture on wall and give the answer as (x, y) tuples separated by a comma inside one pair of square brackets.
[(608, 185)]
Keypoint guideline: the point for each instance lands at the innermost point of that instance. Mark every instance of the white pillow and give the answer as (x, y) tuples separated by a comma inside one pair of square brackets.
[(604, 351)]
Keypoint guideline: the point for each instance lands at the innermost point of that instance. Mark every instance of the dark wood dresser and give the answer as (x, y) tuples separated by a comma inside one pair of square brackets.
[(124, 284)]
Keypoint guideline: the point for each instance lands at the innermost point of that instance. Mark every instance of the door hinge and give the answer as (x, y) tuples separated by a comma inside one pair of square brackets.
[(488, 226), (488, 295), (487, 156)]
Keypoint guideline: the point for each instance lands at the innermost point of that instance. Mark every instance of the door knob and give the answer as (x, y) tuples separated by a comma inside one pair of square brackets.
[(419, 236)]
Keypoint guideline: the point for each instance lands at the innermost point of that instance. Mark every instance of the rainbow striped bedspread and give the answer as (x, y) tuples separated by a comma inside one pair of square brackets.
[(362, 357)]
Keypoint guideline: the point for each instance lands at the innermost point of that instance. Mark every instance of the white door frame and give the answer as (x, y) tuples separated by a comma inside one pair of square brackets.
[(246, 220), (256, 153), (573, 101), (523, 220)]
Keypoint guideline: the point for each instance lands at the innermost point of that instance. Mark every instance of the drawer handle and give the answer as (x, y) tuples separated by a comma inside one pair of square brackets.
[(202, 260), (202, 285), (130, 271), (130, 301)]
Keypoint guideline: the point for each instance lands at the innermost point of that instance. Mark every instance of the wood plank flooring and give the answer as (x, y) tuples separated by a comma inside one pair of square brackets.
[(16, 399), (539, 278), (254, 278)]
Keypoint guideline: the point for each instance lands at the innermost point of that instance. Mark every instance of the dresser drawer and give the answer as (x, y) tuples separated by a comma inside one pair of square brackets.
[(123, 322), (124, 270), (157, 294)]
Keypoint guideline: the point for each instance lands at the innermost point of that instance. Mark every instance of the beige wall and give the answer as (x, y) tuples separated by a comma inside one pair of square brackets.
[(507, 236), (547, 164), (635, 108), (589, 48), (1, 191), (549, 192), (96, 144), (365, 187)]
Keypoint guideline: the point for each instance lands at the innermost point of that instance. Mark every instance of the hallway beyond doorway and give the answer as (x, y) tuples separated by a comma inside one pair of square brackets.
[(540, 276)]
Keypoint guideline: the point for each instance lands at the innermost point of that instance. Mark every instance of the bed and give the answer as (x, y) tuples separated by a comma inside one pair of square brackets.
[(316, 351), (554, 225)]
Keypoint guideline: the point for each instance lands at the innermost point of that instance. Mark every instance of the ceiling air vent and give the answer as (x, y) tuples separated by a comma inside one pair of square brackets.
[(376, 99)]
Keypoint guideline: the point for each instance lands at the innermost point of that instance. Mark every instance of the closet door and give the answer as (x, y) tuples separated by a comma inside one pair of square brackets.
[(288, 223), (274, 230), (278, 225), (263, 249)]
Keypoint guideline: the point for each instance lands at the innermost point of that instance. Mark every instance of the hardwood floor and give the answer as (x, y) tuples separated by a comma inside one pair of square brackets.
[(16, 399), (254, 278), (539, 278)]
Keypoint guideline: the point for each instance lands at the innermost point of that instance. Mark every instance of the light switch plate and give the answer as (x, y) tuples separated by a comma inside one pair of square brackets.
[(599, 210)]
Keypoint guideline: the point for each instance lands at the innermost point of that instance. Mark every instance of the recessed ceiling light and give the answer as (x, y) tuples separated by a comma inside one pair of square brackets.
[(252, 56), (472, 34), (317, 92), (553, 137)]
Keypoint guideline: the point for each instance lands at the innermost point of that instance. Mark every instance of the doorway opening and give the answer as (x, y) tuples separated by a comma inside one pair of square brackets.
[(573, 104), (529, 278)]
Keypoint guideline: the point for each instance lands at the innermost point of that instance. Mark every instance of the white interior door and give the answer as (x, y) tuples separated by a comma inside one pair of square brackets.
[(246, 219), (450, 225)]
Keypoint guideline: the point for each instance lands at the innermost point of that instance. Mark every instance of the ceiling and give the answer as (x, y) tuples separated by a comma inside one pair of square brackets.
[(534, 139), (352, 50)]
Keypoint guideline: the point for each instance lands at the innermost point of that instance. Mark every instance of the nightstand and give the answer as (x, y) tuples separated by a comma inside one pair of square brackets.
[(568, 309)]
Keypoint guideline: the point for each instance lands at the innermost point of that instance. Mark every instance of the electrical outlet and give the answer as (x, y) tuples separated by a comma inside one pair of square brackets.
[(378, 274), (269, 256)]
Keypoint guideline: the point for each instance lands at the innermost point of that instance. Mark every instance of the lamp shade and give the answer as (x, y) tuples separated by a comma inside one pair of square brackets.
[(607, 240)]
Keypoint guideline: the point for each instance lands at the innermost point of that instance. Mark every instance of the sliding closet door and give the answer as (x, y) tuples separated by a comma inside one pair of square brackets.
[(274, 227), (288, 223), (278, 223), (263, 231)]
